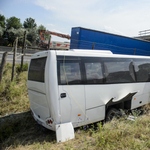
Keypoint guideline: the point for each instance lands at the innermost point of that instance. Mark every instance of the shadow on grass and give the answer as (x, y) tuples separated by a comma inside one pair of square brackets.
[(22, 129)]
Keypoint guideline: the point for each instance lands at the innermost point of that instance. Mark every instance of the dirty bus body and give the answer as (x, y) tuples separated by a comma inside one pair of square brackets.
[(68, 89)]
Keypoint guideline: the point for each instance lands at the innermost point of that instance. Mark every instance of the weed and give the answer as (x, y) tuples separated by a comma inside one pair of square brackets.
[(24, 68), (136, 112)]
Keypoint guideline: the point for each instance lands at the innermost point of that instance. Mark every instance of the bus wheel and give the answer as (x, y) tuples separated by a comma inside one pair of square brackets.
[(111, 114)]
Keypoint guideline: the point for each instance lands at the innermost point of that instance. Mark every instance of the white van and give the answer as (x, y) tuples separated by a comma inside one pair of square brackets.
[(68, 89)]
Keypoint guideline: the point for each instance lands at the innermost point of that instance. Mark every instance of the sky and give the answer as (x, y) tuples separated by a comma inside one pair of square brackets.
[(122, 17)]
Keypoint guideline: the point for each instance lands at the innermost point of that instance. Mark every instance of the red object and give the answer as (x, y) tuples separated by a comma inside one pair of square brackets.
[(42, 32), (53, 45), (50, 121)]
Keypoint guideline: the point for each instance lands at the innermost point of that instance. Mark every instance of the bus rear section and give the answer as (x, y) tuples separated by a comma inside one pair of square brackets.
[(44, 97), (38, 89)]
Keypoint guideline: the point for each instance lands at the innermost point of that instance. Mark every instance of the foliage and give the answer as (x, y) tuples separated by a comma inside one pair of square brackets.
[(2, 40), (13, 22), (12, 34), (41, 27), (1, 31), (14, 29), (33, 36), (2, 24), (25, 67), (2, 21), (29, 23)]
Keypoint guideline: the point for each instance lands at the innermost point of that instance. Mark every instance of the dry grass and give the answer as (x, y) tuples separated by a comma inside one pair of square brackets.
[(18, 131), (13, 95)]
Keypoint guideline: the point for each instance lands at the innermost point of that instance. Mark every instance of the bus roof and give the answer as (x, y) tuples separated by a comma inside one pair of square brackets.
[(95, 53), (86, 53)]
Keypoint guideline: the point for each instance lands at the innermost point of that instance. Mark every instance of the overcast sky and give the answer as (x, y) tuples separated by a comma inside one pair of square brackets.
[(126, 17)]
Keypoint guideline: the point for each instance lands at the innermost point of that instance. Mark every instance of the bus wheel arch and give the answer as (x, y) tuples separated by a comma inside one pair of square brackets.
[(112, 113)]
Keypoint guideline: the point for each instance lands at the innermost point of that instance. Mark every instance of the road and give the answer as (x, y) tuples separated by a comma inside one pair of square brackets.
[(18, 59), (28, 53)]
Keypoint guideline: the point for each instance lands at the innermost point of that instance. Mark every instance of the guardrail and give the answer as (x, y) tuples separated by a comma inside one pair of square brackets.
[(144, 32)]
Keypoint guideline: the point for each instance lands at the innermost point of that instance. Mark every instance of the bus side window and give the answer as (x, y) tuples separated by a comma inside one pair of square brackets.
[(94, 72), (70, 73), (118, 71), (37, 69), (142, 70)]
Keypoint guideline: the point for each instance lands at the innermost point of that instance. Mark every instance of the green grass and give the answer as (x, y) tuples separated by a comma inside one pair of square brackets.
[(21, 133), (13, 95), (18, 129)]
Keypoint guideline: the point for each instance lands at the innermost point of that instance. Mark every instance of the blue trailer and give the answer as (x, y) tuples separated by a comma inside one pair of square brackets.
[(82, 38)]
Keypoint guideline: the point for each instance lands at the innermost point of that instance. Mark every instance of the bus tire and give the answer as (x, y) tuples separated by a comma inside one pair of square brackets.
[(112, 113)]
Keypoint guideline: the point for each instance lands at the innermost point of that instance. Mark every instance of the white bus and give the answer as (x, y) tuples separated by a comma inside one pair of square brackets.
[(68, 89)]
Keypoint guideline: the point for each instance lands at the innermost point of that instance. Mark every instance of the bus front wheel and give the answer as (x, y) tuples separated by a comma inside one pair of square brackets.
[(111, 114)]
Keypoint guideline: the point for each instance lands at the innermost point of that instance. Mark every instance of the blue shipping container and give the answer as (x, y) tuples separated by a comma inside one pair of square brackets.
[(82, 38)]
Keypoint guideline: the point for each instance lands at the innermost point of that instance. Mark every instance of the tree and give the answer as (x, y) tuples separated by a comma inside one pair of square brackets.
[(2, 41), (12, 33), (41, 27), (2, 21), (13, 22), (1, 31), (29, 23), (33, 36)]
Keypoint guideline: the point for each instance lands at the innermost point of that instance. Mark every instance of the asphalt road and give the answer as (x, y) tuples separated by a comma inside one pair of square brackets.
[(18, 59), (28, 53)]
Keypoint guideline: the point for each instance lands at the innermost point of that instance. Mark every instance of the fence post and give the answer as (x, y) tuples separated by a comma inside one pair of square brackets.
[(93, 45), (14, 59), (49, 43), (2, 65), (23, 46)]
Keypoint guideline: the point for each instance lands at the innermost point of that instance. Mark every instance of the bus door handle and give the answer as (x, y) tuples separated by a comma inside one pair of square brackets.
[(62, 95)]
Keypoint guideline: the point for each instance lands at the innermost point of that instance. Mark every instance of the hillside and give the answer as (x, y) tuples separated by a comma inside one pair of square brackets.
[(19, 131)]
